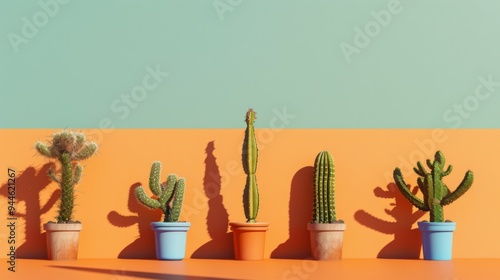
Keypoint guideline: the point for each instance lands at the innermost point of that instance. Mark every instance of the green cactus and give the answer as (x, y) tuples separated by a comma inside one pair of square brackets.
[(168, 196), (324, 189), (249, 158), (435, 193), (67, 147)]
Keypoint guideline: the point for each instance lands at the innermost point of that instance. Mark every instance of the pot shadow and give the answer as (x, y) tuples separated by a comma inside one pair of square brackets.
[(221, 244), (300, 214), (407, 241), (143, 247), (29, 184)]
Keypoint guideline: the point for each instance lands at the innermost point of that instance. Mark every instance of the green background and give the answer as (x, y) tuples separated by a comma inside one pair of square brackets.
[(268, 55)]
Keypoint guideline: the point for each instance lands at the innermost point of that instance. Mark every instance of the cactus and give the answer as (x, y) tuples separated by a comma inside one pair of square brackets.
[(324, 189), (67, 147), (249, 158), (168, 195), (435, 193)]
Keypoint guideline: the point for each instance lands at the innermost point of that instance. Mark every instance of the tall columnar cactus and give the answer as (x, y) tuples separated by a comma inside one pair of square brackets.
[(324, 189), (249, 156), (67, 147), (435, 193), (168, 196)]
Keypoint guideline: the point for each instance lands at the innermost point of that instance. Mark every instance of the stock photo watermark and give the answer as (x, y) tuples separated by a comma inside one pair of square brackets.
[(121, 275), (300, 272), (11, 220), (372, 29), (30, 27), (223, 6), (123, 106), (471, 103), (426, 147), (280, 119)]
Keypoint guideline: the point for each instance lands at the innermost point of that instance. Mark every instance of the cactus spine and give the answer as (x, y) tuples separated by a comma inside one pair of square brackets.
[(324, 189), (67, 147), (249, 155), (435, 193), (169, 195)]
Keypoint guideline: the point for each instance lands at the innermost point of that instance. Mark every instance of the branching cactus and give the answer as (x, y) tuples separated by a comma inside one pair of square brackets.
[(435, 193), (249, 156), (324, 189), (168, 196), (68, 147)]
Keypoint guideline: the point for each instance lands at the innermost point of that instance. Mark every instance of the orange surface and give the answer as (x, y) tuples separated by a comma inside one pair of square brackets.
[(193, 269), (379, 222)]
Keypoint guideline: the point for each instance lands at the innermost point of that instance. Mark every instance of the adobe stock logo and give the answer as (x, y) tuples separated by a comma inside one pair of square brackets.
[(124, 105), (471, 103), (223, 6), (30, 27), (363, 38)]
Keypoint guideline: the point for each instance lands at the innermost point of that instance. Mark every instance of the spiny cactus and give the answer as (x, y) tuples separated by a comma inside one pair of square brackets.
[(249, 156), (168, 195), (67, 147), (324, 189), (435, 193)]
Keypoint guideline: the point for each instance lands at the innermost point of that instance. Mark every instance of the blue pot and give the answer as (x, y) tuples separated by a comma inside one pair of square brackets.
[(170, 239), (437, 239)]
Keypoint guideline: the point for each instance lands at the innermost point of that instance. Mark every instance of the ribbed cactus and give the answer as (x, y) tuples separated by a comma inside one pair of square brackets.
[(67, 147), (324, 189), (435, 193), (168, 196), (249, 156)]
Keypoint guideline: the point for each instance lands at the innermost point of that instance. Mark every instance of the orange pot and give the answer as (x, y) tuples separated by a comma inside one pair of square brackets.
[(326, 240), (249, 240), (62, 240)]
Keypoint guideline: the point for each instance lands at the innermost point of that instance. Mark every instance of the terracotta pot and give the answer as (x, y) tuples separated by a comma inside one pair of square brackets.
[(326, 240), (249, 240), (62, 240)]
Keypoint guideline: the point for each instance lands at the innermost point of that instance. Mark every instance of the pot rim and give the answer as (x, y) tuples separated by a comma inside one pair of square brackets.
[(326, 226), (62, 226), (245, 224), (437, 226), (436, 223), (171, 224)]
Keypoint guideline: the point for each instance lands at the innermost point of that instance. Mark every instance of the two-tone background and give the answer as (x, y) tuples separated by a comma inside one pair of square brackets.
[(379, 84)]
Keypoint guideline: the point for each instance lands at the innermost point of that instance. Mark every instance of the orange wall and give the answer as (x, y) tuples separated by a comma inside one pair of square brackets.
[(364, 160)]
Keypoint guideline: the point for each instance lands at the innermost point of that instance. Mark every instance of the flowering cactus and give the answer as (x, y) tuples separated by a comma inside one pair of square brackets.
[(67, 147)]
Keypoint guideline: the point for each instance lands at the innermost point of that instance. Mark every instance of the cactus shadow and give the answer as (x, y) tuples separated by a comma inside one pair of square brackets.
[(407, 241), (221, 244), (29, 188), (143, 247), (299, 213)]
